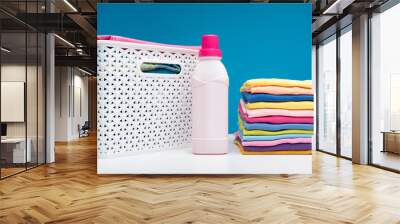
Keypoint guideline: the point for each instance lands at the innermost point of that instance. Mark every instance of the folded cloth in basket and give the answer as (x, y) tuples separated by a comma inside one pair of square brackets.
[(276, 119), (289, 149), (277, 82), (272, 112), (277, 90), (274, 127), (160, 68), (264, 97), (302, 105)]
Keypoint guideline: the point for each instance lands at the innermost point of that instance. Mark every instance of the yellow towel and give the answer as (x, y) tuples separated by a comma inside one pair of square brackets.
[(301, 105), (277, 82), (269, 133), (294, 152)]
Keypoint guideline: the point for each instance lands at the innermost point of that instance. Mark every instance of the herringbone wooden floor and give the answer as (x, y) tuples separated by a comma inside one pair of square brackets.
[(70, 191)]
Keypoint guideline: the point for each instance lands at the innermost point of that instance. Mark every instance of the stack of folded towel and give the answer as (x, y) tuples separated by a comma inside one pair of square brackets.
[(275, 117)]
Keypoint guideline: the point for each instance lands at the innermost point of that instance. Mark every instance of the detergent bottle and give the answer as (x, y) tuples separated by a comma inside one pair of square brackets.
[(210, 84)]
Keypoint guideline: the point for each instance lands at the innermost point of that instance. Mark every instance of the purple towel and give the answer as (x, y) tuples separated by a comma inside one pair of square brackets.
[(281, 147)]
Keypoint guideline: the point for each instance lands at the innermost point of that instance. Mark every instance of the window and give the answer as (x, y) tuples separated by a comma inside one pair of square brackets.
[(327, 95), (346, 92), (22, 76), (385, 89), (334, 106)]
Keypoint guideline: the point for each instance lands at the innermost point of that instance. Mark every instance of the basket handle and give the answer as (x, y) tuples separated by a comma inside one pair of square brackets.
[(159, 69)]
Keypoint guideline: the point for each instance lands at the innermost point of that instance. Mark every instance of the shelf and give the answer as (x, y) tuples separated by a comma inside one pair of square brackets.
[(182, 161)]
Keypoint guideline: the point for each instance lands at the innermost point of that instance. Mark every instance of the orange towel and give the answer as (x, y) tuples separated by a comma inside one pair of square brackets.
[(277, 90)]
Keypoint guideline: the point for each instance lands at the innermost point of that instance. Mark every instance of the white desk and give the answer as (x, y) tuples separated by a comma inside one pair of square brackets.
[(182, 161), (18, 149)]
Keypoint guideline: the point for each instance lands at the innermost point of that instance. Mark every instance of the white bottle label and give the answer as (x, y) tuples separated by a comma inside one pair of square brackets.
[(210, 116)]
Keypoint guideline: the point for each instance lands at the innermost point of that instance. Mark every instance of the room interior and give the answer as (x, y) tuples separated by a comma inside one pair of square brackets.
[(49, 92), (22, 101)]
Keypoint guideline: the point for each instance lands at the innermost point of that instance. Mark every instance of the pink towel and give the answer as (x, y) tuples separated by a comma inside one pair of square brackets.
[(130, 40), (277, 90), (276, 119), (272, 112), (274, 142), (277, 142)]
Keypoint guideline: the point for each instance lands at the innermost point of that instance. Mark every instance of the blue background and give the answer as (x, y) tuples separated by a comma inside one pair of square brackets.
[(257, 40)]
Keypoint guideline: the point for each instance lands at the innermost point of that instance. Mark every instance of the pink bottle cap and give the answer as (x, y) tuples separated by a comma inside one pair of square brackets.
[(209, 46)]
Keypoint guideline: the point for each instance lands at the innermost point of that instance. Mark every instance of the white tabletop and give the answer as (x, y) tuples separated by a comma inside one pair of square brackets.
[(182, 161)]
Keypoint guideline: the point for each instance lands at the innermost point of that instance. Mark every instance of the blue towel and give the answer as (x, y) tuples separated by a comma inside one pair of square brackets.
[(271, 138), (276, 127), (263, 97)]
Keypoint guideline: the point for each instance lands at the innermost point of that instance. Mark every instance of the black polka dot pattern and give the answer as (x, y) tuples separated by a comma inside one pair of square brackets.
[(137, 113)]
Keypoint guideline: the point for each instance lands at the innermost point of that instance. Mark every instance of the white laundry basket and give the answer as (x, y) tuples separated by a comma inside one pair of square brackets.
[(142, 112)]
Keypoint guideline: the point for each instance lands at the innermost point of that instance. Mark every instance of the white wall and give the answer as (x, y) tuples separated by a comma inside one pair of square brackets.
[(79, 117), (70, 83), (62, 82), (33, 126), (16, 72)]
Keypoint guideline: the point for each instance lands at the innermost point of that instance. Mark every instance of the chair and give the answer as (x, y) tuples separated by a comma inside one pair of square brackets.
[(84, 130)]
